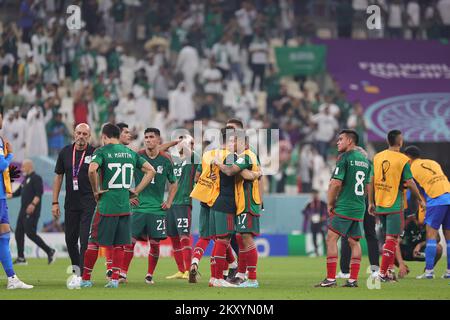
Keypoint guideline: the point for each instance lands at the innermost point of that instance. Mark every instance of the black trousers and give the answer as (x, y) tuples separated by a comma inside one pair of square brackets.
[(27, 225), (77, 224), (258, 72), (372, 245), (317, 228)]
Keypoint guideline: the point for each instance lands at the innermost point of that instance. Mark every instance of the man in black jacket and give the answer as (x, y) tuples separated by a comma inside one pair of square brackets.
[(31, 194)]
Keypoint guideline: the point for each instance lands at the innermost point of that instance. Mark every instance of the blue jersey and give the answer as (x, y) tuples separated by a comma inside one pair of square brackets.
[(442, 200), (4, 164)]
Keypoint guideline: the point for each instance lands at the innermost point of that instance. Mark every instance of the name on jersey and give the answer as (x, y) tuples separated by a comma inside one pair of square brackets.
[(120, 155), (359, 164)]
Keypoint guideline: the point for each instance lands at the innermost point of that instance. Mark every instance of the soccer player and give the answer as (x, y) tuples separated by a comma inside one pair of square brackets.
[(149, 210), (223, 210), (346, 206), (436, 189), (179, 215), (412, 245), (391, 172), (248, 211), (6, 156), (111, 223), (125, 139)]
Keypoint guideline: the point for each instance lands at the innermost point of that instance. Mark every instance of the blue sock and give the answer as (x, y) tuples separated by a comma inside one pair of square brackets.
[(448, 255), (430, 254), (5, 254)]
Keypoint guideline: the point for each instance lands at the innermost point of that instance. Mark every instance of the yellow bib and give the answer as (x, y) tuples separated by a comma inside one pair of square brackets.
[(207, 190), (429, 175), (388, 168), (239, 187), (6, 177)]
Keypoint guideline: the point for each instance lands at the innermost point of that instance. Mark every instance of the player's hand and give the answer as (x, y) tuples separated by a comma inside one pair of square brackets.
[(416, 251), (371, 209), (213, 176), (30, 209), (330, 210), (133, 194), (8, 147), (98, 194), (403, 270), (422, 204), (56, 213), (134, 202), (9, 195), (14, 173), (165, 206)]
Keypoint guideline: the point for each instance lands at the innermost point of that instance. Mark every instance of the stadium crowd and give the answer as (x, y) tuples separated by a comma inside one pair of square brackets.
[(167, 63)]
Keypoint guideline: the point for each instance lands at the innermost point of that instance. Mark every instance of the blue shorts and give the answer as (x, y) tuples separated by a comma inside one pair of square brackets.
[(4, 219), (437, 216)]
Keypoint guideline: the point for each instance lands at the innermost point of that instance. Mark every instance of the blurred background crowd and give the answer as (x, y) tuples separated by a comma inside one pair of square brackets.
[(168, 63)]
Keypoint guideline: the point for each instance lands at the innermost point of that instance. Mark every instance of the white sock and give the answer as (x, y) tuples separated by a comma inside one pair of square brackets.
[(233, 265), (429, 271), (240, 275), (195, 261)]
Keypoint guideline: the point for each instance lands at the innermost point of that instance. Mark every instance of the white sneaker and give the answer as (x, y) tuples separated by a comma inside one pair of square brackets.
[(342, 275), (221, 283), (73, 282), (15, 283)]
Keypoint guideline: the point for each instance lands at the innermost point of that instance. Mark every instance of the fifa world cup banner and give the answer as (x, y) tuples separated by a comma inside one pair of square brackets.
[(304, 60), (401, 84)]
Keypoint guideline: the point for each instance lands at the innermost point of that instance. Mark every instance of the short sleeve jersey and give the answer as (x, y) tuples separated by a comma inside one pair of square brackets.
[(184, 171), (117, 165), (353, 169), (152, 197), (244, 162)]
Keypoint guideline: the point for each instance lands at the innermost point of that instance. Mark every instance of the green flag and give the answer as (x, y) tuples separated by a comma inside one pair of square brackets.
[(304, 60)]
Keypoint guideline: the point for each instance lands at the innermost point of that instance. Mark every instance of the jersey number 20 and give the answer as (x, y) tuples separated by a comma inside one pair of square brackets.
[(120, 170)]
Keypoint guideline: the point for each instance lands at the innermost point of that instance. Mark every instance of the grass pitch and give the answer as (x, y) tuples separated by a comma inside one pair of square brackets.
[(280, 278)]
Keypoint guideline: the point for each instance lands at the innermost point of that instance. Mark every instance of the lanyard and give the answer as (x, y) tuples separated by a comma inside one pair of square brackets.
[(77, 170)]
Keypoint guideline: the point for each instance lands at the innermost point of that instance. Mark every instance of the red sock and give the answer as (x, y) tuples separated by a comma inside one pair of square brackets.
[(128, 255), (187, 251), (242, 258), (178, 253), (200, 248), (117, 261), (90, 257), (355, 264), (252, 261), (388, 255), (153, 256), (331, 267), (213, 261), (230, 255), (109, 257), (220, 257)]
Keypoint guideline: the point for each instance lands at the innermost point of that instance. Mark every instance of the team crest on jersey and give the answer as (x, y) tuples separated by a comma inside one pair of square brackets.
[(159, 169)]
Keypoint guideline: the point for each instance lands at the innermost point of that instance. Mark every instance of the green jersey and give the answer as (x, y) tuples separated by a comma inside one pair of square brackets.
[(185, 173), (117, 164), (353, 169), (152, 197), (244, 162)]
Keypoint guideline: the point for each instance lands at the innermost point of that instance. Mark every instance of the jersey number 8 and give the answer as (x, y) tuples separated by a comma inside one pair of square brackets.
[(359, 186)]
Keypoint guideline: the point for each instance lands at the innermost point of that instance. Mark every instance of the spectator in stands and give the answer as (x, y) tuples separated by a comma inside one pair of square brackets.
[(396, 17), (30, 192), (212, 84), (344, 18), (13, 98), (443, 7), (57, 134), (6, 63), (27, 18), (181, 105), (18, 129), (413, 18), (53, 226), (36, 138), (326, 128), (119, 14), (221, 56), (188, 64), (161, 87), (433, 20), (234, 54), (245, 17), (356, 122), (287, 19), (259, 58), (315, 215)]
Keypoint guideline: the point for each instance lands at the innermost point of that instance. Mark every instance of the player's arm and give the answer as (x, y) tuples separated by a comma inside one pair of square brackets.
[(5, 161), (403, 269), (371, 197), (173, 187), (250, 175), (57, 183), (166, 146), (149, 174), (229, 170), (334, 188), (411, 185), (93, 179)]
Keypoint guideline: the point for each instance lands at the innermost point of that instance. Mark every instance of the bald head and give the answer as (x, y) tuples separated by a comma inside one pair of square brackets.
[(82, 135), (27, 166)]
